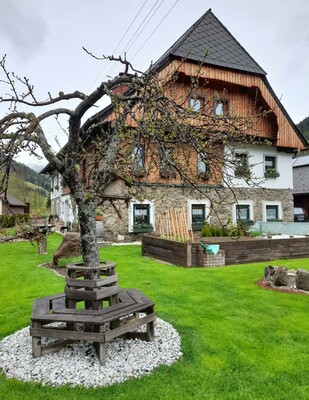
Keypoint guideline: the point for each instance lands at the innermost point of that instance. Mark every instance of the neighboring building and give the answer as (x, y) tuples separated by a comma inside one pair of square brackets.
[(61, 203), (234, 83), (11, 205), (301, 182)]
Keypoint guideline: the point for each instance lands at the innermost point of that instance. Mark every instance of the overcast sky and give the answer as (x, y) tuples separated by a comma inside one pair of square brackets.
[(43, 40)]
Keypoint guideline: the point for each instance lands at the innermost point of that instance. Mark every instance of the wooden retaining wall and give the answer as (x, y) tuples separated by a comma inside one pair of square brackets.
[(236, 251)]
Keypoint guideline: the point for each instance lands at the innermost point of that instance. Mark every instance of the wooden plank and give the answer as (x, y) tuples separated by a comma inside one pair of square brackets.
[(92, 283), (53, 347), (63, 317), (100, 294), (66, 334), (112, 334)]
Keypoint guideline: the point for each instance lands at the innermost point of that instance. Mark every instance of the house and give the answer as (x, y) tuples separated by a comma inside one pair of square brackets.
[(301, 182), (236, 85), (11, 205)]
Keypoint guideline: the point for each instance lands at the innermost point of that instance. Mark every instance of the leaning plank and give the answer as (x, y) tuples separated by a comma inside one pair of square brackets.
[(112, 334)]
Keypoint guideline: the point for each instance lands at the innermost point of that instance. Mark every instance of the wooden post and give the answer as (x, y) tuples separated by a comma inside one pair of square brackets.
[(36, 342)]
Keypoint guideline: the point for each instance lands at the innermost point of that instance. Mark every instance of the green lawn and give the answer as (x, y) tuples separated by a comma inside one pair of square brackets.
[(239, 341)]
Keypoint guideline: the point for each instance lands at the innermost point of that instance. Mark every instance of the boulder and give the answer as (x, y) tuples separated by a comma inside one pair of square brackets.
[(280, 277), (70, 247), (269, 273), (302, 279)]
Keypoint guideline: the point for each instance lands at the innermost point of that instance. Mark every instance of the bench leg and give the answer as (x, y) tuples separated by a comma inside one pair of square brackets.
[(150, 332), (100, 347), (36, 342)]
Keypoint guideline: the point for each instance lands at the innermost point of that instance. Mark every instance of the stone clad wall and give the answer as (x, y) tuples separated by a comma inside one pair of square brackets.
[(165, 197)]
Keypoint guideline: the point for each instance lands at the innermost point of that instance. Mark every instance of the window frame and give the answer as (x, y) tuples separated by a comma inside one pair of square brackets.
[(138, 157), (203, 170), (250, 205), (272, 204), (242, 168), (270, 171), (202, 203), (225, 106), (166, 170), (150, 217), (198, 98)]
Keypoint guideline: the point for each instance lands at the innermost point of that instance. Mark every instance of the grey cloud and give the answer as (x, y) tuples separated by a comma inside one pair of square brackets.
[(22, 27)]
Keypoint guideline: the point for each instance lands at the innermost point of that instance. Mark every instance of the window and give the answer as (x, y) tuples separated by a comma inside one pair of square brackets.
[(138, 161), (202, 167), (197, 213), (270, 167), (243, 212), (272, 212), (197, 103), (242, 169), (141, 214), (138, 157), (221, 107), (166, 157)]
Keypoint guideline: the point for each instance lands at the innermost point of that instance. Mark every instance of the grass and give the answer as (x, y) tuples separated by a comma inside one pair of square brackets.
[(239, 341)]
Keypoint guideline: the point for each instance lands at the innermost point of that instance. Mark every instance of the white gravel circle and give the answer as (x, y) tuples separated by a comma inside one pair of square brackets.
[(77, 364)]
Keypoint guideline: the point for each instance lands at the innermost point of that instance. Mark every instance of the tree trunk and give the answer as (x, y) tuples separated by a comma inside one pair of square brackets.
[(87, 224)]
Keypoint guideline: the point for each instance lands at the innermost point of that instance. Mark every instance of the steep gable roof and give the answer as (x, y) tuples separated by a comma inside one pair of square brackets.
[(209, 35), (13, 201)]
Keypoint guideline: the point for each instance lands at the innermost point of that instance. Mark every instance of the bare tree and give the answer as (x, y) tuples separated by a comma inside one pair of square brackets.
[(149, 113)]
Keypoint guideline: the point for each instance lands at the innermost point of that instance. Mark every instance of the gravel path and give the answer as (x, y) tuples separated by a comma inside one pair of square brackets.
[(77, 364)]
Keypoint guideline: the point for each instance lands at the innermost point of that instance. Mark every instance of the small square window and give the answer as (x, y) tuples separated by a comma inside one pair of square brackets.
[(242, 169), (272, 213), (221, 107), (243, 212), (196, 104), (269, 162), (198, 213), (270, 167), (141, 214)]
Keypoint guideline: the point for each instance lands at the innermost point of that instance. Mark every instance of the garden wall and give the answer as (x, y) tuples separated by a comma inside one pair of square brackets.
[(245, 250)]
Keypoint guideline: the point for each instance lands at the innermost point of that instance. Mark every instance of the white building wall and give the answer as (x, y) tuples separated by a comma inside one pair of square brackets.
[(256, 159)]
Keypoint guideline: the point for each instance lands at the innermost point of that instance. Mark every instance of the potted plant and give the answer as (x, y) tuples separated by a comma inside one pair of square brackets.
[(98, 215), (142, 228), (271, 173)]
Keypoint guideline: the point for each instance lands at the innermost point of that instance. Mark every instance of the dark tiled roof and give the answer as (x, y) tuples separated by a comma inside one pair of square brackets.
[(13, 201), (301, 180), (209, 35)]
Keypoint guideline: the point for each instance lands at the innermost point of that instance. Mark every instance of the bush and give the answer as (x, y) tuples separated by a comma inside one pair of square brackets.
[(10, 220), (219, 231)]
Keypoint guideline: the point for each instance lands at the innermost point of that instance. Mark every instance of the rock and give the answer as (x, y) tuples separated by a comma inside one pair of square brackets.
[(280, 277), (269, 272), (70, 247), (302, 279)]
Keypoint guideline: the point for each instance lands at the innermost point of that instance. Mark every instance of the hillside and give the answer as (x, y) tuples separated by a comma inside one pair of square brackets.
[(30, 187), (303, 126)]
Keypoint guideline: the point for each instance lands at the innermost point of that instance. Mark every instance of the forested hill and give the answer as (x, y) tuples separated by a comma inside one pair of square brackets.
[(30, 175), (30, 187), (303, 126)]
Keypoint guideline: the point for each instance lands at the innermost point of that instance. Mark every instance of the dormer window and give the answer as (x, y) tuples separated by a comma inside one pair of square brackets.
[(221, 107)]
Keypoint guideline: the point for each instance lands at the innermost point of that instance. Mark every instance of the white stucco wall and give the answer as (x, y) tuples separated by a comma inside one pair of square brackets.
[(256, 159)]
